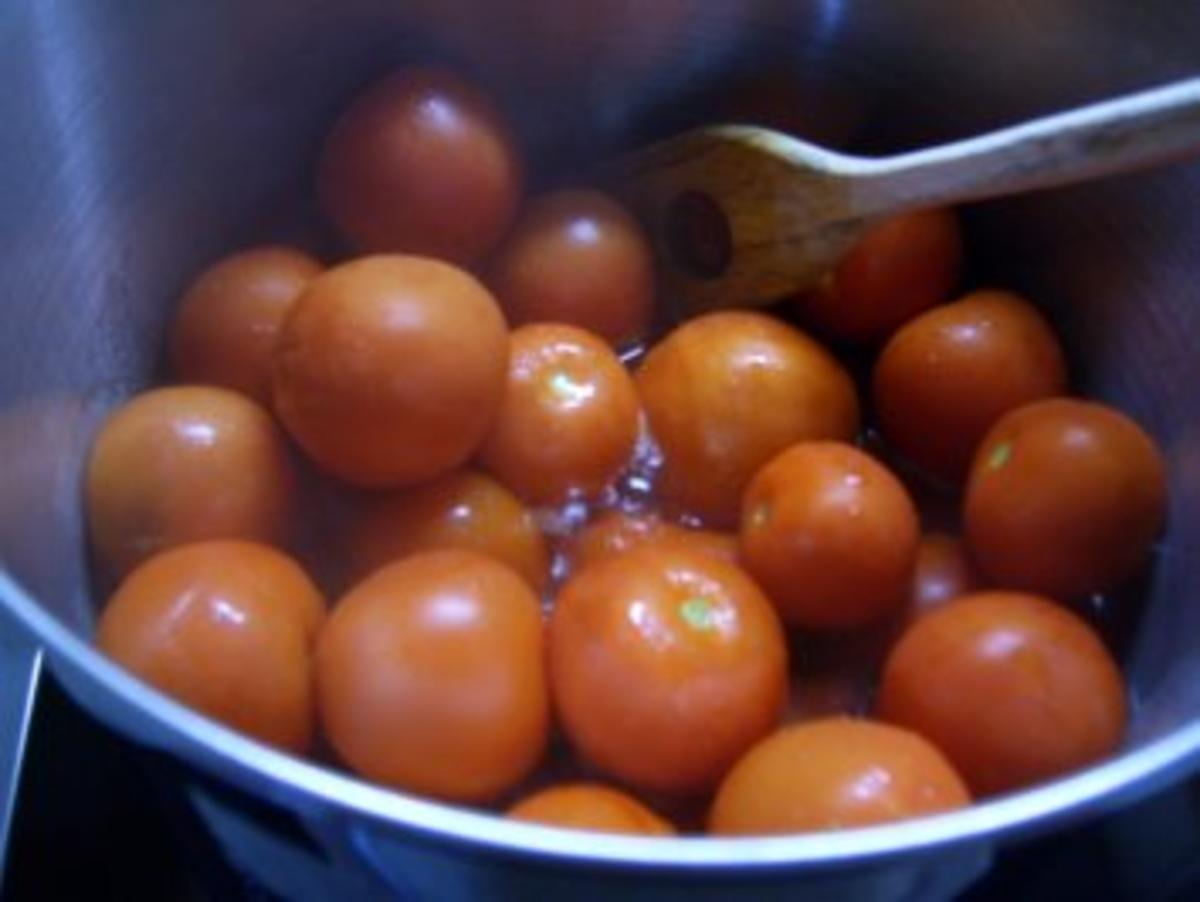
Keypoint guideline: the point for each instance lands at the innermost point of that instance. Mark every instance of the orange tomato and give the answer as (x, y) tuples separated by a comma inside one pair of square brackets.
[(465, 510), (831, 536), (616, 532), (176, 465), (948, 375), (1013, 688), (666, 664), (226, 627), (1065, 498), (390, 369), (431, 676), (727, 391), (944, 572), (832, 774), (569, 419), (421, 163), (590, 806), (577, 257), (899, 268), (227, 321)]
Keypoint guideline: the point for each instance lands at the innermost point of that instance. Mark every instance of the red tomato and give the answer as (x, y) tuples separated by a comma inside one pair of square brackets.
[(1013, 688), (421, 163), (227, 321), (225, 627), (389, 370), (944, 572), (431, 677), (176, 465), (569, 419), (465, 510), (831, 536), (665, 666), (577, 257), (1065, 498), (590, 806), (899, 268), (616, 532), (726, 392), (832, 774), (949, 374)]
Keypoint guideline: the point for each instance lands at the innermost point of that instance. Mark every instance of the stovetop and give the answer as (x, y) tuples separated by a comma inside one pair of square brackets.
[(100, 819)]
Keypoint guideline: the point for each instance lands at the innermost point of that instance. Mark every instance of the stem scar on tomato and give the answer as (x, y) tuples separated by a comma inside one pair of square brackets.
[(1000, 455), (697, 611)]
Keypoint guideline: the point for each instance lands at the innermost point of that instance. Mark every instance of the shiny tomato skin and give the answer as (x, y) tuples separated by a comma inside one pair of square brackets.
[(228, 319), (1013, 688), (182, 464), (1065, 498), (945, 377), (390, 369), (615, 532), (577, 257), (421, 163), (590, 806), (431, 677), (830, 535), (666, 664), (568, 421), (944, 572), (835, 773), (723, 393), (225, 627)]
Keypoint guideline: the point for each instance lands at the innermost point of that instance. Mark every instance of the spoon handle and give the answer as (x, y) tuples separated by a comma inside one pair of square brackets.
[(1131, 132)]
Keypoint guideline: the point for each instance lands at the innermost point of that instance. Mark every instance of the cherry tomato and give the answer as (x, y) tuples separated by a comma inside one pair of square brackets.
[(899, 268), (463, 509), (421, 163), (1065, 498), (831, 536), (431, 676), (727, 391), (943, 573), (832, 774), (227, 321), (949, 374), (577, 257), (176, 465), (389, 370), (1013, 688), (569, 419), (665, 666), (616, 532), (590, 806), (226, 627)]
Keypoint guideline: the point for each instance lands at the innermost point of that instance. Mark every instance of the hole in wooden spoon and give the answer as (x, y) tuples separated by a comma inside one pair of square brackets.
[(698, 235)]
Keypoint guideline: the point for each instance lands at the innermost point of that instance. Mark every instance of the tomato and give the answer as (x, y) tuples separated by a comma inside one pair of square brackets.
[(390, 369), (832, 774), (431, 676), (943, 573), (1013, 688), (725, 392), (949, 374), (831, 536), (226, 627), (227, 321), (463, 509), (421, 163), (616, 532), (665, 665), (577, 257), (176, 465), (569, 419), (899, 268), (1065, 498), (590, 806)]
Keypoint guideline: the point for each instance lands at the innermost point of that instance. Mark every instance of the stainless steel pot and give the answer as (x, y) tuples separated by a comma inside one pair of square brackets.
[(140, 140)]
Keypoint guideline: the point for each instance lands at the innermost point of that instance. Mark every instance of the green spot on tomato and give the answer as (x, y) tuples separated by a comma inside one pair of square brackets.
[(1000, 455), (698, 613)]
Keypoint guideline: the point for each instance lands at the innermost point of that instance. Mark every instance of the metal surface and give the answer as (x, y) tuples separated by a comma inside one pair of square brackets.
[(142, 139)]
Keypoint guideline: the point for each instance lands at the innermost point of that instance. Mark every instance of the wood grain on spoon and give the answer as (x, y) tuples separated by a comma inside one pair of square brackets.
[(744, 216)]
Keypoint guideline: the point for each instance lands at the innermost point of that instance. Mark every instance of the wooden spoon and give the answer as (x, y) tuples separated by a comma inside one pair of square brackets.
[(744, 216)]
